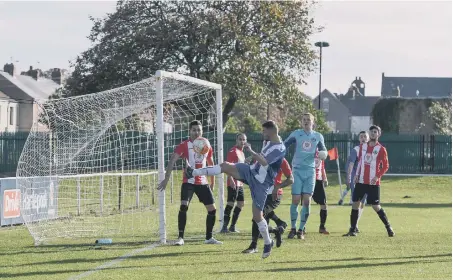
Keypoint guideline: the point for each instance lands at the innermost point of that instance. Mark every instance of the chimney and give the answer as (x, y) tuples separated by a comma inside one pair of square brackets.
[(32, 73), (9, 68), (56, 75)]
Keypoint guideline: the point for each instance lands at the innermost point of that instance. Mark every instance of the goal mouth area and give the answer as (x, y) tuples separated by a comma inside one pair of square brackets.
[(92, 163)]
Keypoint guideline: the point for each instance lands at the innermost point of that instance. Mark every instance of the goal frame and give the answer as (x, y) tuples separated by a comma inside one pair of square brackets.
[(159, 84)]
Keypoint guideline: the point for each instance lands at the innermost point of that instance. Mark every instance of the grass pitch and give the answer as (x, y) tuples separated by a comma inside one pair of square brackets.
[(419, 209)]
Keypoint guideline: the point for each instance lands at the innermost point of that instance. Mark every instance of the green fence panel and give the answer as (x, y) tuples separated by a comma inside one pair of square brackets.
[(408, 154)]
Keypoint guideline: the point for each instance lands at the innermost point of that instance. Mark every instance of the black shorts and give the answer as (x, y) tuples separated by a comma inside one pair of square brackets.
[(203, 193), (319, 195), (373, 193), (270, 204), (235, 194)]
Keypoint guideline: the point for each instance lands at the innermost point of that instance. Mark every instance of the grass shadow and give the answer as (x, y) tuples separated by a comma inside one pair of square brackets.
[(340, 266), (417, 205)]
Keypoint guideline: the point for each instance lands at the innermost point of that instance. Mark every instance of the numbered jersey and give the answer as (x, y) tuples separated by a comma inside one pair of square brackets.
[(185, 150)]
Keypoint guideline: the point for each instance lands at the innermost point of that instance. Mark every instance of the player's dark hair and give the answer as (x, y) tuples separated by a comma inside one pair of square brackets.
[(375, 127), (363, 131), (192, 123), (270, 124)]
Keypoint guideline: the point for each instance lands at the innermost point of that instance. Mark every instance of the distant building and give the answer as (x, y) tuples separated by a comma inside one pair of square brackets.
[(351, 112), (18, 93), (348, 112), (416, 87)]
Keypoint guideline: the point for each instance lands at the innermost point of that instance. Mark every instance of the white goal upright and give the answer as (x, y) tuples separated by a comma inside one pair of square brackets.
[(91, 164)]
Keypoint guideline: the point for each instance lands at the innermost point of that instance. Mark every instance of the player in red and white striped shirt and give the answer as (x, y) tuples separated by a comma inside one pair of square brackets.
[(373, 164), (234, 187), (198, 184)]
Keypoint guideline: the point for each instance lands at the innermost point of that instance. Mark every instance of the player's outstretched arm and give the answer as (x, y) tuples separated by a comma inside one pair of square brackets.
[(174, 158), (290, 140), (255, 156)]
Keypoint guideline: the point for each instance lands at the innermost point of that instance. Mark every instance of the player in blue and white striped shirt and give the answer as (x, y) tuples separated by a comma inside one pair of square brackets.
[(351, 168), (259, 176)]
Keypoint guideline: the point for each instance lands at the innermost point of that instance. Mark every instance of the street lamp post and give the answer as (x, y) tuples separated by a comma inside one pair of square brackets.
[(320, 45)]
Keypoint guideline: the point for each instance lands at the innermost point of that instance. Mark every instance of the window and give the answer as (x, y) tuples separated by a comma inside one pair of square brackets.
[(11, 115), (325, 104)]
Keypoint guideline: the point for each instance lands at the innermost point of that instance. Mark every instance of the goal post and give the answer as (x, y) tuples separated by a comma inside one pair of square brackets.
[(160, 78), (91, 164)]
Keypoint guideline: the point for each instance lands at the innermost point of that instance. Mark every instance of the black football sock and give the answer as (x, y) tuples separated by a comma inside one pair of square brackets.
[(236, 213), (383, 217), (323, 216), (226, 215), (354, 218), (210, 221), (182, 219), (255, 232)]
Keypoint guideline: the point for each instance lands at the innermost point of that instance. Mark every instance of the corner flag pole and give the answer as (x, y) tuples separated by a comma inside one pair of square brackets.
[(339, 176), (333, 155)]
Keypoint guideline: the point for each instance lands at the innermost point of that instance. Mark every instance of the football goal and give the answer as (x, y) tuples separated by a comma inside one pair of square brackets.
[(91, 164)]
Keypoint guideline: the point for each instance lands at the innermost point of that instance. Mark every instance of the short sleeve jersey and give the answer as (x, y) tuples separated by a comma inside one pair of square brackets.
[(235, 155), (285, 169), (307, 143), (185, 150)]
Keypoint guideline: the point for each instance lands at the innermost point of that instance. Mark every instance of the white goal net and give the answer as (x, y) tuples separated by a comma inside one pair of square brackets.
[(91, 164)]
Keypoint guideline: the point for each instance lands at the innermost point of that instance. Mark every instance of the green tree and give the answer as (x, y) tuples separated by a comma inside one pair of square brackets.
[(440, 114), (256, 50), (250, 124), (232, 125), (297, 107)]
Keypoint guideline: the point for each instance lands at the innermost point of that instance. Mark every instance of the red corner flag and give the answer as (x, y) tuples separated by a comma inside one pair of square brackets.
[(333, 153)]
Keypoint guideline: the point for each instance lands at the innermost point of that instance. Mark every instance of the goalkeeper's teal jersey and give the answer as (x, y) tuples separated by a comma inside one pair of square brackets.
[(306, 145)]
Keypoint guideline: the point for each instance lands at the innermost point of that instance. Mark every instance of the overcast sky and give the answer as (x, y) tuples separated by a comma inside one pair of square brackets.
[(400, 38)]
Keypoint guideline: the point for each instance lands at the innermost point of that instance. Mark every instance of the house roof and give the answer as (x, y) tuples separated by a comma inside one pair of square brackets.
[(360, 105), (333, 96), (426, 87), (25, 88)]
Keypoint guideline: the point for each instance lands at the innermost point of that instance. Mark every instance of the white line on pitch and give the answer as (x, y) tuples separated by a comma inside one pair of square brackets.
[(115, 261), (128, 255)]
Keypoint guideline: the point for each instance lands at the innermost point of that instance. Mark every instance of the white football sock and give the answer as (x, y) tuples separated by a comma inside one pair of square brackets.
[(345, 192), (209, 171), (360, 214), (262, 226)]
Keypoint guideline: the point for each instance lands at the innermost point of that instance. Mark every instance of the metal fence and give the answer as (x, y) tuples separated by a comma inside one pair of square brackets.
[(408, 154)]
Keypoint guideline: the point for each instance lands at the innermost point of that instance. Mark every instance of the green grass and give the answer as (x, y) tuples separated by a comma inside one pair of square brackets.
[(421, 248)]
